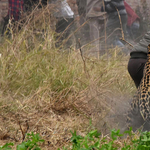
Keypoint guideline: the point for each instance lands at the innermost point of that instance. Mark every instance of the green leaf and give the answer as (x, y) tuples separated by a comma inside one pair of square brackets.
[(144, 138), (115, 134), (6, 146), (37, 148), (21, 147), (94, 133), (97, 144), (129, 132)]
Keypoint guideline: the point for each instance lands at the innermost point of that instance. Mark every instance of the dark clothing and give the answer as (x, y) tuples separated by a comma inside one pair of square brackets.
[(93, 9), (117, 16), (30, 4), (135, 69), (134, 30), (14, 13), (138, 59), (65, 21), (15, 9), (62, 27), (82, 10), (62, 24), (5, 22), (114, 23), (81, 7), (111, 7)]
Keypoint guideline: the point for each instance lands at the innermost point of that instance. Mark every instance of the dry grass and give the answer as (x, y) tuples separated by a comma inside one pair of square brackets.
[(47, 90)]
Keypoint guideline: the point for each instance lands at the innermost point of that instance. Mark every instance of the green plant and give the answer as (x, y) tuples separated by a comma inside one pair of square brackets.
[(90, 141), (93, 141), (6, 146), (30, 144), (143, 143)]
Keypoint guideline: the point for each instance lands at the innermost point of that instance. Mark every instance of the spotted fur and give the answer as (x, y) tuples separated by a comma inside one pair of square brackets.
[(141, 100)]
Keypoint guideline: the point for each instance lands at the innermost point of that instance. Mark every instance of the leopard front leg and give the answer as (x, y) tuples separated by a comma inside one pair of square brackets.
[(134, 117)]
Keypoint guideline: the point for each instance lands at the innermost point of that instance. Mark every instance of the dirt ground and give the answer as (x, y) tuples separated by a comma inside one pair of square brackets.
[(54, 124)]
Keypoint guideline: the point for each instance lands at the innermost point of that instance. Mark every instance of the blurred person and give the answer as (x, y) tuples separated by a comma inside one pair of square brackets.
[(82, 10), (117, 16), (30, 4), (73, 6), (96, 19), (138, 58), (83, 33), (133, 22), (15, 10), (64, 16)]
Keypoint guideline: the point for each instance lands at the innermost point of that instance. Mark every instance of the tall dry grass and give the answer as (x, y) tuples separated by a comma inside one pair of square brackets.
[(50, 90)]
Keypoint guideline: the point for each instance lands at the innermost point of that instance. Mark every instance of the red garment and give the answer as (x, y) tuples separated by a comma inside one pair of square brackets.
[(132, 16), (15, 9)]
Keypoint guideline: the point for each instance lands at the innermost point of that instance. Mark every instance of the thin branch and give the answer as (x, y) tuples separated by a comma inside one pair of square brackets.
[(23, 135), (85, 69), (126, 42), (120, 24)]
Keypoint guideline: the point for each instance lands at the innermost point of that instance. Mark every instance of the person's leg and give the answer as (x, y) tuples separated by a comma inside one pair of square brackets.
[(2, 28), (64, 28), (102, 43), (84, 31), (5, 22), (114, 28), (69, 33), (94, 36), (70, 25), (135, 69), (134, 29), (124, 24), (60, 25)]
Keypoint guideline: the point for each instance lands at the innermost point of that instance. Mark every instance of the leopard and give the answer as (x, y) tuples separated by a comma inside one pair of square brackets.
[(138, 116)]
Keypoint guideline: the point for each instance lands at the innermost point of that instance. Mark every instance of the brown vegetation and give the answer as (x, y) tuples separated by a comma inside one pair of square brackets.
[(46, 89)]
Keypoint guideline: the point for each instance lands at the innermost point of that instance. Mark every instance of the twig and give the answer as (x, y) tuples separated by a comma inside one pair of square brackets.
[(122, 33), (126, 42), (120, 24), (23, 135), (23, 132), (27, 124), (85, 69), (14, 136)]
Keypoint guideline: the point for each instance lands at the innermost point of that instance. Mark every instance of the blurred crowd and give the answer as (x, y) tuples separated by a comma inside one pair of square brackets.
[(101, 22)]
